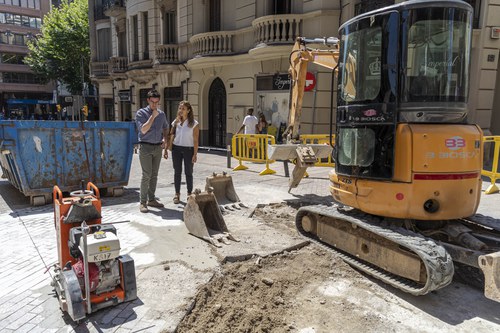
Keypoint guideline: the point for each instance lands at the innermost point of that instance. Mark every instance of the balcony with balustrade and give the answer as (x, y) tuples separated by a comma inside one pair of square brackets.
[(118, 67), (273, 35), (99, 70), (276, 29), (217, 43), (167, 54)]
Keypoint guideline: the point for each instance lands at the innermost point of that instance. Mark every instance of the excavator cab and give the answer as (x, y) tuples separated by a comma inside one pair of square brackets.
[(403, 148)]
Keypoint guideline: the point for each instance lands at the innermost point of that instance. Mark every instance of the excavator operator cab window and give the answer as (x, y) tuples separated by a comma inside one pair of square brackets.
[(361, 64), (359, 146), (437, 55)]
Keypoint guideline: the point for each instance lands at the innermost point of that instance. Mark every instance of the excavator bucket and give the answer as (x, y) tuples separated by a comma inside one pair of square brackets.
[(306, 156), (204, 219), (223, 189)]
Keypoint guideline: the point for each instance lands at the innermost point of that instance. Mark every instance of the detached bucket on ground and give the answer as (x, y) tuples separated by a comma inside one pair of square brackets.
[(204, 219), (222, 187)]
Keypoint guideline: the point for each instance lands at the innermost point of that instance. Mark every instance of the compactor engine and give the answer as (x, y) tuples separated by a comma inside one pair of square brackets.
[(90, 274)]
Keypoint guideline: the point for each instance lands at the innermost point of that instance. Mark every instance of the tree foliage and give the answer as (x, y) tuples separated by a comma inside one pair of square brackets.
[(62, 51)]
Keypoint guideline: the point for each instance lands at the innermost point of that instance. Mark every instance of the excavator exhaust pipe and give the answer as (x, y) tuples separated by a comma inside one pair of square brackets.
[(204, 219), (222, 187)]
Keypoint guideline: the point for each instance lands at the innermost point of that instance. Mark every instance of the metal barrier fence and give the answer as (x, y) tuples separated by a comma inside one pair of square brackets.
[(252, 148), (320, 139), (491, 146)]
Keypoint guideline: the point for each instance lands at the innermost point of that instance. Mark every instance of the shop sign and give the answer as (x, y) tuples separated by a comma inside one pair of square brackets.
[(124, 95), (281, 82)]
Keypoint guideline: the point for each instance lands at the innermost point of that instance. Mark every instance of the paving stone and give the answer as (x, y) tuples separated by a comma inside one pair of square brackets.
[(27, 327), (21, 321)]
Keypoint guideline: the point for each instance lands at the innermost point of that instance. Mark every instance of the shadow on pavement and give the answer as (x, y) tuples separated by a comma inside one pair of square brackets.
[(12, 197), (309, 200)]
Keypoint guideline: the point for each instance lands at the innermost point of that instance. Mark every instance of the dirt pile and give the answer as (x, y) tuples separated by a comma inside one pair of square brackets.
[(266, 294), (258, 295), (310, 290)]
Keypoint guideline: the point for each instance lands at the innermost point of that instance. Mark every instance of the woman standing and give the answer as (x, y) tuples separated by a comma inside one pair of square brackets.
[(184, 147), (262, 125)]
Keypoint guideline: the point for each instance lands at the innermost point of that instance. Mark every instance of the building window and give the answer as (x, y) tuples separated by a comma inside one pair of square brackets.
[(172, 97), (145, 36), (135, 39), (279, 7), (103, 44), (13, 77), (12, 58), (122, 44), (143, 97), (214, 19), (169, 27), (19, 40), (21, 20), (476, 5), (368, 5), (8, 37), (109, 111)]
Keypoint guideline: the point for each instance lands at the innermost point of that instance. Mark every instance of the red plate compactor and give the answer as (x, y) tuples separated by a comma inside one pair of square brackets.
[(91, 274)]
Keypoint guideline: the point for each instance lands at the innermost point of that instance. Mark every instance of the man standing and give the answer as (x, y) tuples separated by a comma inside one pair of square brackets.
[(249, 123), (152, 126)]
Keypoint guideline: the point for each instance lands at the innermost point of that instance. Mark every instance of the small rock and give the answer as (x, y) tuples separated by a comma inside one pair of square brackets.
[(166, 267), (268, 281), (232, 289), (278, 300), (322, 301)]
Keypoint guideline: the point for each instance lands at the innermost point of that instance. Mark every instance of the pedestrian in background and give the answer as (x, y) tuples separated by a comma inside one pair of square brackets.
[(152, 126), (184, 148), (262, 125), (249, 123)]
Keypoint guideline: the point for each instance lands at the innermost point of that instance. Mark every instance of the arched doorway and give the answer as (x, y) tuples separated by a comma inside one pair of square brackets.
[(217, 114)]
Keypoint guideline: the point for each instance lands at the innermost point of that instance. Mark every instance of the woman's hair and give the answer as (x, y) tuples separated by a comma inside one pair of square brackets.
[(190, 115), (262, 117)]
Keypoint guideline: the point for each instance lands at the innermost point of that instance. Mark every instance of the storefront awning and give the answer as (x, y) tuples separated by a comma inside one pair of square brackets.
[(29, 101)]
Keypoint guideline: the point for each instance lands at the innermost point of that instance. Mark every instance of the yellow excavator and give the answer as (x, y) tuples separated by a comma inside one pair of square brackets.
[(407, 177)]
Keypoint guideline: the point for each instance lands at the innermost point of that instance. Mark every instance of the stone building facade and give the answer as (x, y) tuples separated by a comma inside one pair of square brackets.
[(23, 95), (225, 56)]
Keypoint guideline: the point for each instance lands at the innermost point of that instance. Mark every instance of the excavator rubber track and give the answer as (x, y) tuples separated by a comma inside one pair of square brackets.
[(438, 263)]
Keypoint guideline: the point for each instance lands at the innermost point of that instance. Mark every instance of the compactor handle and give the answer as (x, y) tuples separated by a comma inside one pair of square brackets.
[(91, 186), (56, 193)]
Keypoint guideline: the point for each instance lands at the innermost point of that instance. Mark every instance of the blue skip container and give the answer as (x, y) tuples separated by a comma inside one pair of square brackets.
[(35, 155)]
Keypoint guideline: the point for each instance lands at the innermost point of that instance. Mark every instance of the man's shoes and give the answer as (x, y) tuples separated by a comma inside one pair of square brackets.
[(154, 203), (177, 199), (143, 208)]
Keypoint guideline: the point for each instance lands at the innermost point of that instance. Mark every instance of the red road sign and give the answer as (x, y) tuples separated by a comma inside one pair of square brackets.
[(310, 81)]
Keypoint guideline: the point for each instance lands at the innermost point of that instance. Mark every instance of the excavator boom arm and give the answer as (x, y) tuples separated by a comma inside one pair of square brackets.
[(300, 58)]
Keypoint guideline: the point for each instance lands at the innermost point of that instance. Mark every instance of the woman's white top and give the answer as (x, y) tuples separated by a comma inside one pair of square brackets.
[(184, 134)]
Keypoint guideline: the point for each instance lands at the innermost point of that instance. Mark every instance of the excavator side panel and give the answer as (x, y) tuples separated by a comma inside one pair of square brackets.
[(445, 178)]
